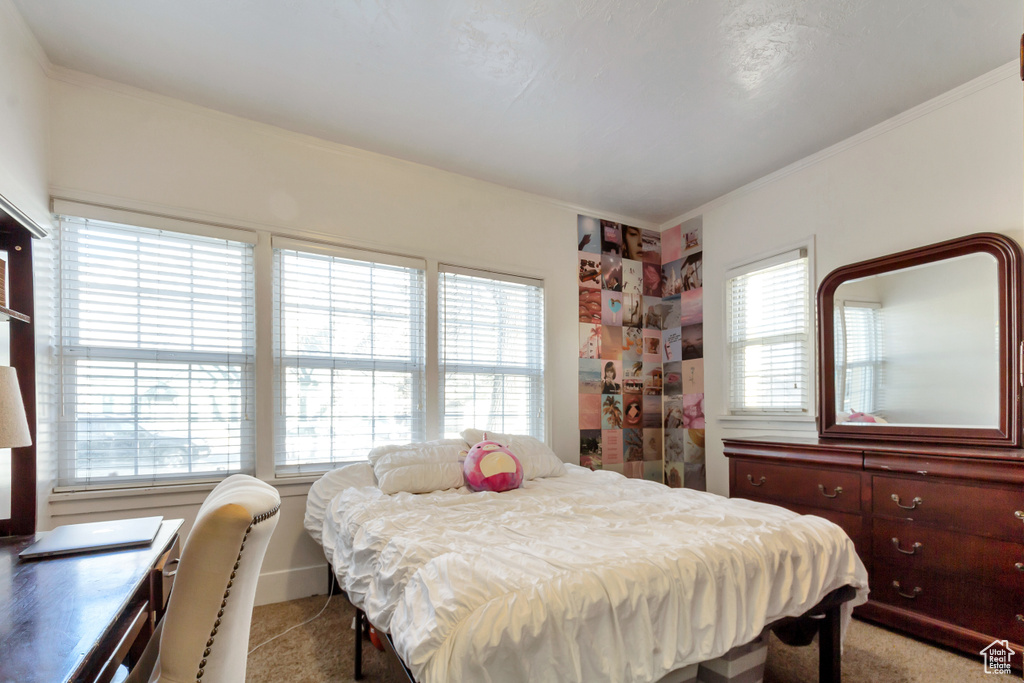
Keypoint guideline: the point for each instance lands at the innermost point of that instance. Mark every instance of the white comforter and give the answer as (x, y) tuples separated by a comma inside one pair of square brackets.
[(586, 577)]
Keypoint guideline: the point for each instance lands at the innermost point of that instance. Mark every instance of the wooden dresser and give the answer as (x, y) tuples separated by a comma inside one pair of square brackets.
[(939, 528)]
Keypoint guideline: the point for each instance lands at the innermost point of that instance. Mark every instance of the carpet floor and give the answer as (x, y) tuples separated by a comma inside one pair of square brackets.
[(321, 652)]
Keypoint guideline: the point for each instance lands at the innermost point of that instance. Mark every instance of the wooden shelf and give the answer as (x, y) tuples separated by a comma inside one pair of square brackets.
[(8, 314)]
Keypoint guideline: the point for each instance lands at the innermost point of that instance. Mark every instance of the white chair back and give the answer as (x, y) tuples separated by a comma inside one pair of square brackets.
[(204, 635)]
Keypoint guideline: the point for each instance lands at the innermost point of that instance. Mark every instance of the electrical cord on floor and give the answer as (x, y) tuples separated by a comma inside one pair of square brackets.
[(292, 628)]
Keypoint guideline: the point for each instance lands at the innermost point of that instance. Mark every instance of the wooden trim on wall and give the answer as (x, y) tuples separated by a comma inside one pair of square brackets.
[(18, 242)]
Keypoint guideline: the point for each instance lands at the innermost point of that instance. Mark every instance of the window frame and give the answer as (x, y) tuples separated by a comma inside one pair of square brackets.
[(746, 266), (538, 394), (263, 459), (875, 363), (417, 372), (65, 480)]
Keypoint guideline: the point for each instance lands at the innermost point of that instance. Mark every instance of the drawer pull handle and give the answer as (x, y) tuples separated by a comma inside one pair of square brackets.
[(1019, 514), (910, 596), (750, 478), (913, 549), (821, 487), (1020, 617), (917, 501), (1019, 566), (171, 563)]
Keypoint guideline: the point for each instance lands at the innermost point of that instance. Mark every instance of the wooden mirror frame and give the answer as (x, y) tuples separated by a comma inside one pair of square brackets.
[(1009, 258)]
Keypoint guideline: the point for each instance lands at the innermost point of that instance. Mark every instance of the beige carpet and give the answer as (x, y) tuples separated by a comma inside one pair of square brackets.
[(321, 652)]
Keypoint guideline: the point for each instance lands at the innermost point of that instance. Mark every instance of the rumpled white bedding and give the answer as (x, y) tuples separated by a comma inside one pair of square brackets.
[(586, 577)]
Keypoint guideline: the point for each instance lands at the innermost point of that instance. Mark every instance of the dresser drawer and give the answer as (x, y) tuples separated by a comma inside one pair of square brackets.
[(985, 609), (808, 486), (983, 511), (162, 579), (909, 545)]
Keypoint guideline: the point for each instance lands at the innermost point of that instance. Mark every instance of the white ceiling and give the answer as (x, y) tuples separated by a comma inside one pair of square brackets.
[(645, 109)]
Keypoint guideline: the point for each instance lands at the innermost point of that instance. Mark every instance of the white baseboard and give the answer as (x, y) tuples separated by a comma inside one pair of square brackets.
[(290, 584)]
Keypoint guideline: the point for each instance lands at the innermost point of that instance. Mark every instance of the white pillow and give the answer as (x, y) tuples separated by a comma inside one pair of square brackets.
[(538, 460), (418, 467)]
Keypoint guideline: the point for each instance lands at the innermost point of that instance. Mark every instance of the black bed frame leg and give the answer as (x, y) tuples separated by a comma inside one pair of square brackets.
[(829, 653), (358, 657)]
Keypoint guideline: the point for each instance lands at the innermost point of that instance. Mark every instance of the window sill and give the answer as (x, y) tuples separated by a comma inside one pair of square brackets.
[(794, 422), (70, 502)]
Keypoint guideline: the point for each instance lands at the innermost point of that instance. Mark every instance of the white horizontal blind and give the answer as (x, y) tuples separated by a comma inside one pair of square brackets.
[(859, 356), (768, 336), (491, 353), (155, 355), (349, 349)]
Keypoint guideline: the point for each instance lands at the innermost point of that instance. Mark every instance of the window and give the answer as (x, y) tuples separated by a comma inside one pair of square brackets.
[(155, 354), (859, 356), (491, 352), (768, 336), (349, 351), (157, 378)]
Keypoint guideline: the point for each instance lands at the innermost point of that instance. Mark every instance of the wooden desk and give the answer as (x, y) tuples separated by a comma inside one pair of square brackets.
[(75, 618)]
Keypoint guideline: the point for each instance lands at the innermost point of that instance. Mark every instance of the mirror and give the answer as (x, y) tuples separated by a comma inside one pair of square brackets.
[(924, 345)]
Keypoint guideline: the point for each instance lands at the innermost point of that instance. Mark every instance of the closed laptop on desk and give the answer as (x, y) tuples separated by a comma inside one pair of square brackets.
[(82, 538)]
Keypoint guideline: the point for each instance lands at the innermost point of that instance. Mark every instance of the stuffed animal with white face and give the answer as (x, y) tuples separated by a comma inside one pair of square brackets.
[(489, 466)]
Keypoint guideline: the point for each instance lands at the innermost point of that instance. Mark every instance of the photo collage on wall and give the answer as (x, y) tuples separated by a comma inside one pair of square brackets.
[(620, 366), (682, 311)]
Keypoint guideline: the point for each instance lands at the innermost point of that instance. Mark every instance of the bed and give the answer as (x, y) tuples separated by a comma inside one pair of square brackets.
[(580, 577)]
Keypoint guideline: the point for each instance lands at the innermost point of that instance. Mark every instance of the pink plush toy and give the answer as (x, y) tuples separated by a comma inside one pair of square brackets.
[(489, 466)]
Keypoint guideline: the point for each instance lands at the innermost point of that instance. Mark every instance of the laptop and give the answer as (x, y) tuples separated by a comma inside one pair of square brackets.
[(83, 538)]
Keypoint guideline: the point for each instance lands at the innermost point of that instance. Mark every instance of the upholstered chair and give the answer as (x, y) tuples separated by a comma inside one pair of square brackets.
[(204, 635)]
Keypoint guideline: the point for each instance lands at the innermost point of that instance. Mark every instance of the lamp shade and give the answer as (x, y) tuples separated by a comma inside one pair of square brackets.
[(13, 423)]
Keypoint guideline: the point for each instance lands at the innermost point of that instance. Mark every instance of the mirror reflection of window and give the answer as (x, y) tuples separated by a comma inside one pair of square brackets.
[(860, 359)]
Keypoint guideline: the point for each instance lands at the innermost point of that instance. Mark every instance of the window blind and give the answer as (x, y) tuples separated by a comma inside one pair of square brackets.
[(155, 355), (768, 336), (349, 349), (491, 353), (859, 356)]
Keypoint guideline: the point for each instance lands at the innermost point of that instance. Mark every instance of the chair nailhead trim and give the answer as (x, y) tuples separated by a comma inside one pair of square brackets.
[(262, 517)]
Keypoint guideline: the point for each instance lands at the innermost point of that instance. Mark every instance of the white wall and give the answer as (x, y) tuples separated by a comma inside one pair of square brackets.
[(127, 148), (24, 113), (23, 117), (931, 315), (948, 168)]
